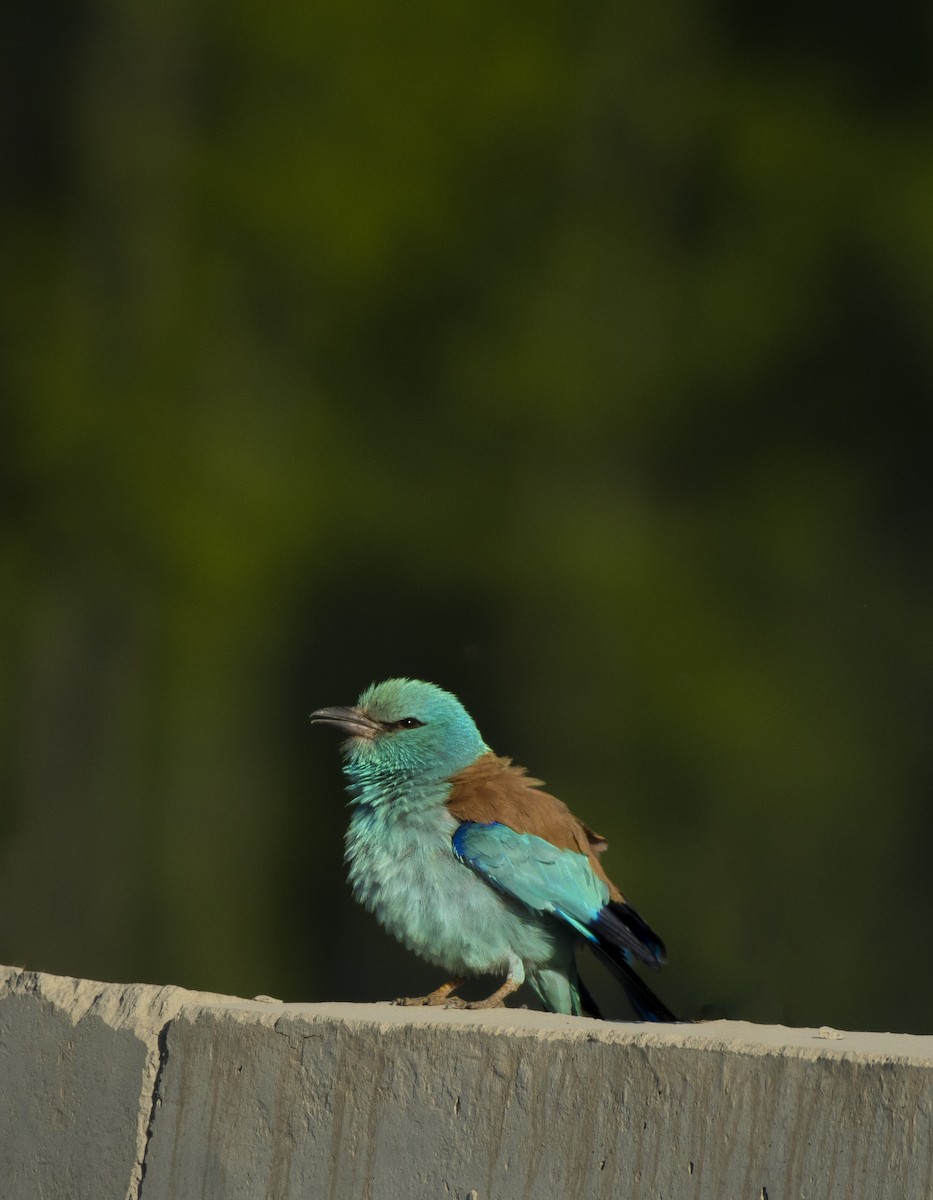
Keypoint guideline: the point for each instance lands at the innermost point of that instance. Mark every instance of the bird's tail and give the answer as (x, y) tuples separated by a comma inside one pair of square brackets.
[(563, 991), (621, 936), (647, 1005)]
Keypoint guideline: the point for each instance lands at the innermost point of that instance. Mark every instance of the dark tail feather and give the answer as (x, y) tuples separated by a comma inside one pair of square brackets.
[(621, 936), (619, 926), (647, 1005)]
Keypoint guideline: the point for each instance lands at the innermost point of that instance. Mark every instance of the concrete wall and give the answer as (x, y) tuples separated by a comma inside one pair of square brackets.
[(151, 1093)]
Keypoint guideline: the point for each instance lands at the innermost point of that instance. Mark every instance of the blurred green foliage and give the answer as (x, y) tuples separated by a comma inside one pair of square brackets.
[(577, 358)]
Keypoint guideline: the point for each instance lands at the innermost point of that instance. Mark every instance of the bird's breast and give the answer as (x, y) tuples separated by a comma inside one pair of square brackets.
[(403, 869), (391, 855)]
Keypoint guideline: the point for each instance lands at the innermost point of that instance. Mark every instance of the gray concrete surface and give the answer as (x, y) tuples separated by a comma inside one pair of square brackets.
[(156, 1093), (78, 1067)]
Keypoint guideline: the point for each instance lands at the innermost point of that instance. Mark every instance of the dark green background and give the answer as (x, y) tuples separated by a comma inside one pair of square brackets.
[(577, 357)]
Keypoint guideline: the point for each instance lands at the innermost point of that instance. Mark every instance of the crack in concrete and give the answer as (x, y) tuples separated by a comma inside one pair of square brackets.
[(139, 1170)]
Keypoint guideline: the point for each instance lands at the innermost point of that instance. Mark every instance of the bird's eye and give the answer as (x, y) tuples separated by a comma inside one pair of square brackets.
[(409, 723)]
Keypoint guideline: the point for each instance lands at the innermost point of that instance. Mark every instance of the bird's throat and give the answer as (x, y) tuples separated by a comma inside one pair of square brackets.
[(371, 786)]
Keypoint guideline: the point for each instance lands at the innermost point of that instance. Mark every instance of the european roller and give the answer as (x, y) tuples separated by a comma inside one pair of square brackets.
[(468, 862)]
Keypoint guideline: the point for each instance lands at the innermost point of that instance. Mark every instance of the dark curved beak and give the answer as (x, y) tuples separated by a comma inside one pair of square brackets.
[(351, 721)]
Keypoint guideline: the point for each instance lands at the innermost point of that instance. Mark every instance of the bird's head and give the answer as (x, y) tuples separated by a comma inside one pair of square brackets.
[(405, 729)]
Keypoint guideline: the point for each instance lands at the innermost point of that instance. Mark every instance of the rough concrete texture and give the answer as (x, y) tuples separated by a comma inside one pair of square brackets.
[(155, 1093), (78, 1068)]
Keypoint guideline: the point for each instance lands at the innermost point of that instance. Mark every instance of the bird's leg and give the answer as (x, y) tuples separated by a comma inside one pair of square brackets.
[(496, 1000), (432, 999)]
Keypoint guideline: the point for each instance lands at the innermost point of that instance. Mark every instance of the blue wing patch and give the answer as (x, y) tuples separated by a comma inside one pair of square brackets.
[(562, 883), (532, 871)]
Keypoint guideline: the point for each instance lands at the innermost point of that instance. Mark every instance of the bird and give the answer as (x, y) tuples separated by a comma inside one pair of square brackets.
[(464, 858)]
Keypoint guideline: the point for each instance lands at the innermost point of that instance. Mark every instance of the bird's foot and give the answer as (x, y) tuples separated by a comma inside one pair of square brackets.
[(497, 999), (440, 996)]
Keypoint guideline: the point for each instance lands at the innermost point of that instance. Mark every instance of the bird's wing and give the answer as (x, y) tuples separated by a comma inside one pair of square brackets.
[(492, 789), (541, 876), (552, 857), (558, 882)]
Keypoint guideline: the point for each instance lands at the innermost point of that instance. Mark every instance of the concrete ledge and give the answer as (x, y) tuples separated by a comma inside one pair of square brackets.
[(156, 1093)]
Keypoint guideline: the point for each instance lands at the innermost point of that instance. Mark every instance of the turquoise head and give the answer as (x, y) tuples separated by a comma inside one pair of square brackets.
[(403, 732)]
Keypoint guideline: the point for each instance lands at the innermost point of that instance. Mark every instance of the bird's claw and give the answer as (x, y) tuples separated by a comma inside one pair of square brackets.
[(440, 997)]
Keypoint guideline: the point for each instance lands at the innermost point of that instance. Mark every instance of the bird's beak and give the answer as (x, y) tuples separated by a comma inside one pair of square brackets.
[(351, 721)]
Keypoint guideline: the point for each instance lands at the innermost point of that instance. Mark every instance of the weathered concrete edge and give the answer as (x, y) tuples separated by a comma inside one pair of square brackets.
[(741, 1037), (144, 1010), (148, 1012)]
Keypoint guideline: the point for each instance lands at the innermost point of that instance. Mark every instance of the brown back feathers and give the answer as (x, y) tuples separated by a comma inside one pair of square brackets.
[(492, 789)]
